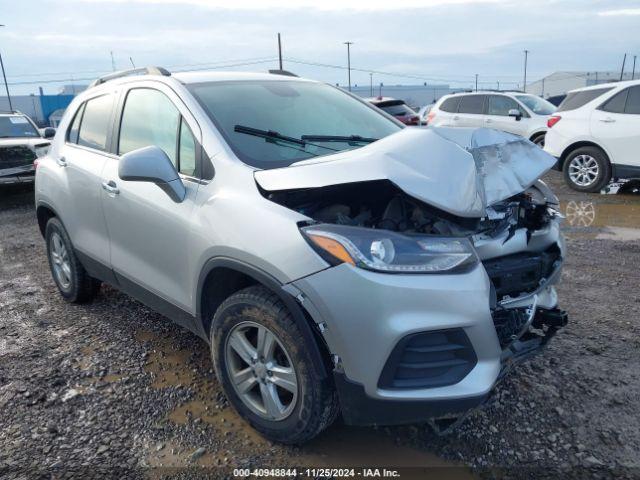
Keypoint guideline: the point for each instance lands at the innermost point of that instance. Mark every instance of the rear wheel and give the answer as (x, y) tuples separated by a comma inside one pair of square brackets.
[(266, 369), (587, 169), (73, 281)]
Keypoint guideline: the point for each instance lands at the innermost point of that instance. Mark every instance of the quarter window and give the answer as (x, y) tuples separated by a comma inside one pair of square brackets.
[(187, 150), (450, 105), (95, 122), (72, 135), (149, 118), (500, 105), (472, 104)]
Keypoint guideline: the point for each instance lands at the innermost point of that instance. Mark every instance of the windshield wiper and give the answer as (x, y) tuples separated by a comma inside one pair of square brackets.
[(351, 139), (267, 134)]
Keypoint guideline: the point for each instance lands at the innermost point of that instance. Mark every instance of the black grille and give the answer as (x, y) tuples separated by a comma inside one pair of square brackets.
[(520, 273), (429, 359), (16, 156)]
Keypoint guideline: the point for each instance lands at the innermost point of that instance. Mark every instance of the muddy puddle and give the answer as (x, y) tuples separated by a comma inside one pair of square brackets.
[(607, 218), (339, 446)]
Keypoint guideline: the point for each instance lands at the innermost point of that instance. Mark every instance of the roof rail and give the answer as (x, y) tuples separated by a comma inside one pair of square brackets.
[(134, 71)]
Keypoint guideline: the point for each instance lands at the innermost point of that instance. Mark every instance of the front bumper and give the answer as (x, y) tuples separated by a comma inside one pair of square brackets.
[(363, 316)]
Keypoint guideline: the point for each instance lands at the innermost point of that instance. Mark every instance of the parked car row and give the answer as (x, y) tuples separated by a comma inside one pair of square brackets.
[(21, 143), (594, 133)]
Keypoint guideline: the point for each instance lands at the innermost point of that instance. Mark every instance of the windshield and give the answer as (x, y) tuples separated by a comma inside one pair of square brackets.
[(537, 105), (293, 109), (16, 126), (580, 98)]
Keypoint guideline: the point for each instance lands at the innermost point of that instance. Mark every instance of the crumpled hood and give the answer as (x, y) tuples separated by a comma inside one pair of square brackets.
[(459, 170)]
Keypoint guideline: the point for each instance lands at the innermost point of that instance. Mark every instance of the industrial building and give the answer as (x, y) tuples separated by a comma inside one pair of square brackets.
[(559, 83)]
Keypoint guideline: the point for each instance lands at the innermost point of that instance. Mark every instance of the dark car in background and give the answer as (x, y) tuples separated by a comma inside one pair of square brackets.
[(397, 108), (21, 143)]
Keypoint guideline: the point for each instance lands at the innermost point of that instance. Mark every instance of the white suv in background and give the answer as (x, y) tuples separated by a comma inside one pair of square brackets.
[(514, 112), (596, 135)]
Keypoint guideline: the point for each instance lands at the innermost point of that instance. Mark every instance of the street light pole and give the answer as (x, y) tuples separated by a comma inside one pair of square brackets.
[(476, 82), (371, 84), (633, 70), (348, 44), (6, 85), (524, 83)]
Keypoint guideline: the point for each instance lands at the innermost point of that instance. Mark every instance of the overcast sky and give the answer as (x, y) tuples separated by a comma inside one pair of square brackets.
[(433, 40)]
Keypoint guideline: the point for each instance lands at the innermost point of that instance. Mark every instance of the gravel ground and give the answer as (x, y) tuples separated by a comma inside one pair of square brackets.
[(111, 389)]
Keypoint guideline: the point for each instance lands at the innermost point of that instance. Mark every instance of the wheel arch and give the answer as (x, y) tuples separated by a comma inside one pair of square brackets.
[(579, 144), (220, 277), (536, 134), (44, 213)]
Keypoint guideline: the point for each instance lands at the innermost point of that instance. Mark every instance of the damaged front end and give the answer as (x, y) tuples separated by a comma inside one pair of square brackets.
[(459, 199)]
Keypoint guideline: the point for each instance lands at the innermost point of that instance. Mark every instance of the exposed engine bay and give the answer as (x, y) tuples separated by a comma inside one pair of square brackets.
[(381, 205)]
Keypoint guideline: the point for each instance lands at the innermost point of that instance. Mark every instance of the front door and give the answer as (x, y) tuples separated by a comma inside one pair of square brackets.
[(497, 117), (149, 232)]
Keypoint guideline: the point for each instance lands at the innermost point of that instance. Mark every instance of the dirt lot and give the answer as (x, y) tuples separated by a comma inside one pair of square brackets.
[(111, 388)]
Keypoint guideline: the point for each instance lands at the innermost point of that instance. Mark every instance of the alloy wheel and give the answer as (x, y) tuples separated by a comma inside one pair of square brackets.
[(60, 260), (261, 371), (583, 170)]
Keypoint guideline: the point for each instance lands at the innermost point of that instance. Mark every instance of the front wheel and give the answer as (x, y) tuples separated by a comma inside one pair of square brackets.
[(587, 169), (266, 370)]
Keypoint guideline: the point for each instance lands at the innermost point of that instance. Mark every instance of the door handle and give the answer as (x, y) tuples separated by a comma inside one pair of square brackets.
[(488, 120), (110, 187), (456, 117), (61, 161), (607, 120)]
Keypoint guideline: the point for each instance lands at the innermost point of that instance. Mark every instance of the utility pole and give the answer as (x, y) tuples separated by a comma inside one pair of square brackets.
[(348, 44), (542, 88), (624, 59), (279, 52), (113, 62), (371, 84), (476, 82), (526, 56), (6, 85), (132, 64), (380, 91), (633, 70), (498, 82)]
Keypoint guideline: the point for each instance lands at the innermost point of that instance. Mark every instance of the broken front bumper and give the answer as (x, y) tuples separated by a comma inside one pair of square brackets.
[(414, 347)]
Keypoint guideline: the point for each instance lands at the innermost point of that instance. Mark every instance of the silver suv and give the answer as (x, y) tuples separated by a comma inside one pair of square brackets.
[(336, 261)]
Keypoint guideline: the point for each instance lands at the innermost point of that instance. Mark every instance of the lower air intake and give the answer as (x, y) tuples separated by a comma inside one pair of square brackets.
[(428, 360)]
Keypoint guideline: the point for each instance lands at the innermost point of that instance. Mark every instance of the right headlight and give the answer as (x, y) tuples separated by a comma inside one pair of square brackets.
[(387, 251)]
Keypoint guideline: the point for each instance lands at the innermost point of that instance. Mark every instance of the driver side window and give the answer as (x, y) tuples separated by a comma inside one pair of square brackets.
[(149, 118), (500, 105)]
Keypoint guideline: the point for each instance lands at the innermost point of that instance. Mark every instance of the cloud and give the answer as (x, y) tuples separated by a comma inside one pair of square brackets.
[(326, 5), (622, 12)]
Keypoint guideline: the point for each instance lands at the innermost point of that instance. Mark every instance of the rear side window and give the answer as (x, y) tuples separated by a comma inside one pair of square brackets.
[(95, 122), (578, 99), (149, 118), (500, 105), (471, 104), (616, 103), (633, 101), (450, 105)]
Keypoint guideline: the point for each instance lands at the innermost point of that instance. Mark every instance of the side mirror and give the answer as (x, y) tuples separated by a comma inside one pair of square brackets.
[(48, 132), (151, 164), (517, 114)]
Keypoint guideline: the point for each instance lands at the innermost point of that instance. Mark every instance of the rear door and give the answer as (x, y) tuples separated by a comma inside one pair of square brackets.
[(497, 116), (81, 159), (471, 111), (149, 232), (616, 125), (446, 114)]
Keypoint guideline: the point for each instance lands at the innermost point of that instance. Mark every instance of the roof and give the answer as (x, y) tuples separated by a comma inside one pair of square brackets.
[(624, 83)]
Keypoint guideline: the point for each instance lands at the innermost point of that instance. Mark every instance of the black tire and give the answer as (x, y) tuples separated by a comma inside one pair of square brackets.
[(316, 406), (539, 140), (604, 169), (82, 288)]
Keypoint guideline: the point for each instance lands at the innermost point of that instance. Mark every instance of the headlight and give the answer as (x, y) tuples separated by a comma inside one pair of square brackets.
[(386, 251)]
